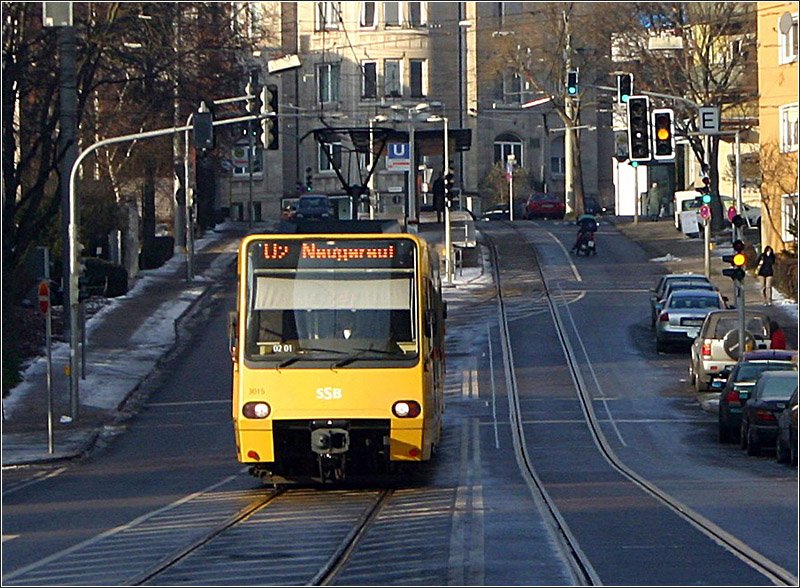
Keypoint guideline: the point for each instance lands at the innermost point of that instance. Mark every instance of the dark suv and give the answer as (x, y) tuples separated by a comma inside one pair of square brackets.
[(741, 382), (313, 207)]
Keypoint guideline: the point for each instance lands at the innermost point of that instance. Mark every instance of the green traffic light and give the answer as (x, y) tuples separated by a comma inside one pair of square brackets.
[(706, 198), (634, 164)]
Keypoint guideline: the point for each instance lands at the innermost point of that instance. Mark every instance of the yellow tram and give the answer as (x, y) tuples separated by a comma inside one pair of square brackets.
[(338, 354)]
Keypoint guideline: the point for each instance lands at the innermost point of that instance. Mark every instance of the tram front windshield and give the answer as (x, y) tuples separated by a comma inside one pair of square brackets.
[(344, 302)]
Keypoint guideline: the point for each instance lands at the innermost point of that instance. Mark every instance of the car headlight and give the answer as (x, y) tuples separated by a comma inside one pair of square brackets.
[(256, 410)]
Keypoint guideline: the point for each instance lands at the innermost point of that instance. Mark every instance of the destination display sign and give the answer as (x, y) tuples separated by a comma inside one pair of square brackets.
[(328, 253)]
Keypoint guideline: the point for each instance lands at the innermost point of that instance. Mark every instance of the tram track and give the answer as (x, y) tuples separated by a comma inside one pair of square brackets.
[(581, 566)]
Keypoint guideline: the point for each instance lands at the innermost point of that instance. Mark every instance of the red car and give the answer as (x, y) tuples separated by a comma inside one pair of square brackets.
[(541, 205)]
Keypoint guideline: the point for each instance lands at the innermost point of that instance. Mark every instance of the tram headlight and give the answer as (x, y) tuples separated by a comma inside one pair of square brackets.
[(406, 409), (256, 410)]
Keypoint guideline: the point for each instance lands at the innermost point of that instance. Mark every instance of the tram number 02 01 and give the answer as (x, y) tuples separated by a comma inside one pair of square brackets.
[(282, 348), (329, 393)]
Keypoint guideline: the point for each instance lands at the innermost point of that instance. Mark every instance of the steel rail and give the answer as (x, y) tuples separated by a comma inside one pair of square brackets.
[(579, 564), (776, 573)]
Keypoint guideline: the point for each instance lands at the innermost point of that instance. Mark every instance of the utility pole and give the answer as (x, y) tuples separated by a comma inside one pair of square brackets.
[(179, 220), (569, 195)]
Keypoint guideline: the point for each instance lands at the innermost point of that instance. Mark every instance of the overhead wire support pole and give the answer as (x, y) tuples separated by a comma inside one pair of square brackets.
[(73, 242)]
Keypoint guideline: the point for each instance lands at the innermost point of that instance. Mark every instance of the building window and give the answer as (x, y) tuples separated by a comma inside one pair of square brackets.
[(328, 82), (240, 161), (788, 128), (367, 18), (787, 43), (789, 218), (391, 14), (327, 15), (328, 152), (392, 84), (419, 77), (508, 10), (557, 166), (416, 14), (506, 145), (369, 80)]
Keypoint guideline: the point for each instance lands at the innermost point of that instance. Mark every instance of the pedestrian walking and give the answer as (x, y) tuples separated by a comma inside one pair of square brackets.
[(653, 201), (776, 336), (765, 269)]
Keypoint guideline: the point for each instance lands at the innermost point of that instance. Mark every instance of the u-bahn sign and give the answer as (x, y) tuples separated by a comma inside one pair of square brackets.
[(398, 157)]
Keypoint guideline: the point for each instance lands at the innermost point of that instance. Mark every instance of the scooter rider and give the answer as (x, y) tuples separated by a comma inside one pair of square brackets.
[(587, 225)]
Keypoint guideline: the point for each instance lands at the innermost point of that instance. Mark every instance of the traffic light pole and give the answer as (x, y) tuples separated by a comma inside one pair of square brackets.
[(707, 247), (74, 367)]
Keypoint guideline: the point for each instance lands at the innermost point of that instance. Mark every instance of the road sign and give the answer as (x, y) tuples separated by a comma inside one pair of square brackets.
[(708, 120), (44, 297), (398, 157), (731, 213), (705, 212)]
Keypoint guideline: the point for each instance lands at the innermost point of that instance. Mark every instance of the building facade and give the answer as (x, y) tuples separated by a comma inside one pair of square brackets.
[(412, 68), (778, 120)]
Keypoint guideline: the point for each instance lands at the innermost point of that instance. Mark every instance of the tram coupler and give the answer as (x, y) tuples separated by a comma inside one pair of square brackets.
[(330, 437)]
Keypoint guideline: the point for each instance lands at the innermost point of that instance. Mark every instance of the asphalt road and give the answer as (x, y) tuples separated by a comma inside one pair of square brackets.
[(468, 518)]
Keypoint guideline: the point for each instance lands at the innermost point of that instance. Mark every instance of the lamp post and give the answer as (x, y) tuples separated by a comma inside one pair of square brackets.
[(411, 212), (371, 183)]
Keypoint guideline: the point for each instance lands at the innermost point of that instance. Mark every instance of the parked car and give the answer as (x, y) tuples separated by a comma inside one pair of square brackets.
[(496, 212), (770, 396), (313, 206), (682, 315), (693, 200), (541, 205), (663, 289), (786, 443), (740, 384), (716, 349)]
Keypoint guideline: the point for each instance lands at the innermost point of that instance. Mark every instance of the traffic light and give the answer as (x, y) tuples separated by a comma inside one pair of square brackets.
[(738, 221), (639, 128), (448, 187), (663, 134), (269, 109), (737, 261), (572, 82), (624, 87), (203, 128), (309, 179), (705, 190), (253, 90)]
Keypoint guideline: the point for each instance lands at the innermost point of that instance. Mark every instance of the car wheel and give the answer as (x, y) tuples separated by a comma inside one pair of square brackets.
[(743, 437), (753, 446), (781, 452), (661, 347), (792, 453), (699, 385)]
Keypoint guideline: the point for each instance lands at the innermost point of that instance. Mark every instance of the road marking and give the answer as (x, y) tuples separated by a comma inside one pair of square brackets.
[(575, 272), (9, 537), (189, 402)]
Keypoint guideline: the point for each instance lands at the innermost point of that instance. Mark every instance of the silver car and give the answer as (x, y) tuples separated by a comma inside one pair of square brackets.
[(657, 294), (672, 286), (684, 311)]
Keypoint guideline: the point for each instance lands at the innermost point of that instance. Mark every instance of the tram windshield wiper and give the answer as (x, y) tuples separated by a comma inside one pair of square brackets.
[(301, 350), (359, 353)]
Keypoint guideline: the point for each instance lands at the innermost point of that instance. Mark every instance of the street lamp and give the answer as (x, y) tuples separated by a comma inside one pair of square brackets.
[(411, 211), (371, 183), (448, 241)]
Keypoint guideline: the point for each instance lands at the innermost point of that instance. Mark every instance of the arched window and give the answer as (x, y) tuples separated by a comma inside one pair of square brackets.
[(505, 145)]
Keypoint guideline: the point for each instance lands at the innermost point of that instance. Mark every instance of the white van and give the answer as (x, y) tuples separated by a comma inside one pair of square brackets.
[(686, 200)]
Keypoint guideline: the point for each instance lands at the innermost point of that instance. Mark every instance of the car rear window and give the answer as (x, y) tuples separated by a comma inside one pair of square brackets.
[(695, 302), (754, 325), (751, 371), (778, 389)]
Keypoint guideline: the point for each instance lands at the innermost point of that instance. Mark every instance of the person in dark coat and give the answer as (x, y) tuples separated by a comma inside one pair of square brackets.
[(765, 264), (438, 197)]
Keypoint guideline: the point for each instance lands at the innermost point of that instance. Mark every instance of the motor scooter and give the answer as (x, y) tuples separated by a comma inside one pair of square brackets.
[(586, 244)]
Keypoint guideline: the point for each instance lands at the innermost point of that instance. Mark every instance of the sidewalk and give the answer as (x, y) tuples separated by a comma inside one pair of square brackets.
[(142, 327), (126, 340)]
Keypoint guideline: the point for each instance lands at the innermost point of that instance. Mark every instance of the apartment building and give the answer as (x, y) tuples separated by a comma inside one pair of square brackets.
[(778, 120), (406, 67)]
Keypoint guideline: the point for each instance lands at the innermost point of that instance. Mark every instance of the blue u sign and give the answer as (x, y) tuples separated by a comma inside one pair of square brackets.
[(398, 151)]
